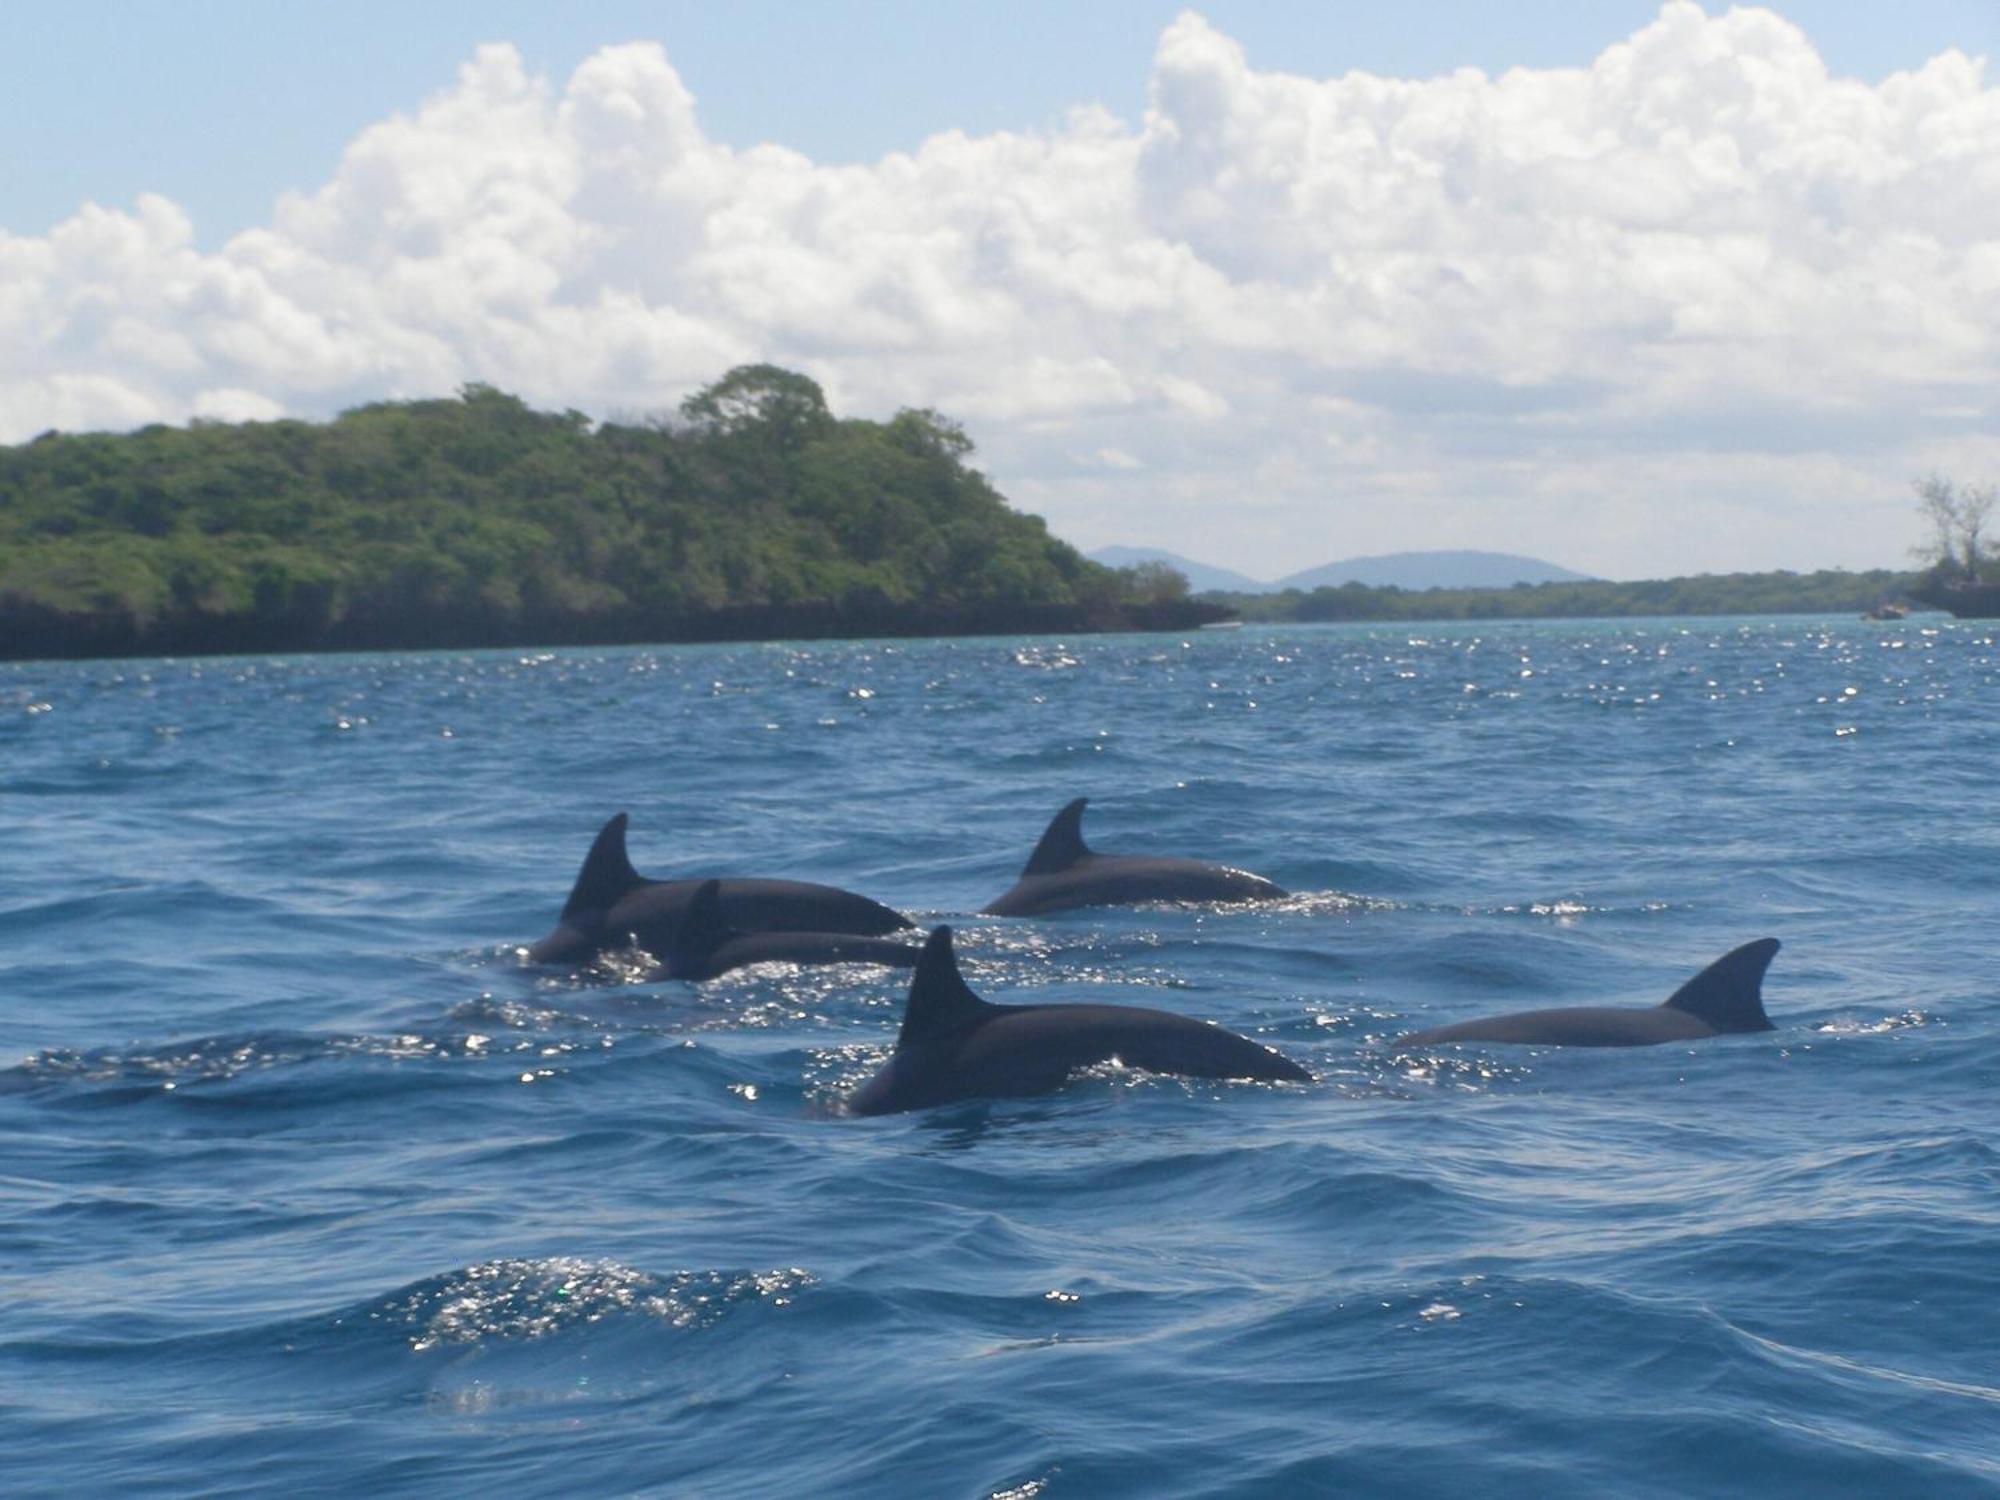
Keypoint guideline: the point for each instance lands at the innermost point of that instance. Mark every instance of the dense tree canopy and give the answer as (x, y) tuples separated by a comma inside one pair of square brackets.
[(479, 520)]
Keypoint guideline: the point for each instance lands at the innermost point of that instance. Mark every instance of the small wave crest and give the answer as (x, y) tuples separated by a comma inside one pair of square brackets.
[(1567, 909), (1856, 1026), (532, 1299), (197, 1065)]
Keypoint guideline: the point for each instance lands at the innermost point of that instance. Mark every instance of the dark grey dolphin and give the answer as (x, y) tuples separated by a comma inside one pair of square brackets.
[(955, 1045), (1726, 996), (612, 905), (705, 945), (1063, 872)]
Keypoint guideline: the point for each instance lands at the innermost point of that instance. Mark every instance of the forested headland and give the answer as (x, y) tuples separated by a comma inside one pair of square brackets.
[(752, 513)]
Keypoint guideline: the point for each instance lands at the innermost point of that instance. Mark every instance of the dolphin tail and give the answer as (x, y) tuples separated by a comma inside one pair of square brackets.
[(701, 931), (941, 1005), (607, 873), (1728, 994), (1062, 843)]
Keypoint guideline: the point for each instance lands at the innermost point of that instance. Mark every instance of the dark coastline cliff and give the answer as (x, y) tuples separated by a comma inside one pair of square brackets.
[(476, 521)]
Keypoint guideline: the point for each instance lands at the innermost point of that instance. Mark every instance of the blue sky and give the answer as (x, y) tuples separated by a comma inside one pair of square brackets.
[(1665, 287), (222, 104)]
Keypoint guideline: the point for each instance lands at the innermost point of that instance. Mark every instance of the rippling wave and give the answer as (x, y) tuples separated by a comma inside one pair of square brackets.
[(309, 1184)]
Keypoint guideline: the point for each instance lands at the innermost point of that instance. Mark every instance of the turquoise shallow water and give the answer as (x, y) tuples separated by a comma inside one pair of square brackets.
[(309, 1186)]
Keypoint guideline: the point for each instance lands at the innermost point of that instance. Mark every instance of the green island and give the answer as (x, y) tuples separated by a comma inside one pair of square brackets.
[(752, 513)]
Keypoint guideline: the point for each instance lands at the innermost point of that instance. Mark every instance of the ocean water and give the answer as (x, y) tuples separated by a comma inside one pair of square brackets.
[(310, 1186)]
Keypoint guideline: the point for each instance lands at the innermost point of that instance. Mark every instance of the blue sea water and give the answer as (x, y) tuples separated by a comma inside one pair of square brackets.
[(310, 1186)]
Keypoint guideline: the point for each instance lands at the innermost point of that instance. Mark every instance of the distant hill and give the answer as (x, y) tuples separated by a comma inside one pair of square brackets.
[(1200, 576), (1402, 570), (1432, 570)]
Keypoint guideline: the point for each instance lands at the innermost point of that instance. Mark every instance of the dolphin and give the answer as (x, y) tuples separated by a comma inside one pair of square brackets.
[(612, 904), (1724, 997), (1063, 873), (954, 1045), (704, 945)]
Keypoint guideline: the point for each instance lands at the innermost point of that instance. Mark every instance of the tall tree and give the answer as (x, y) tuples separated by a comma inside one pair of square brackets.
[(1975, 506), (788, 409), (1938, 504)]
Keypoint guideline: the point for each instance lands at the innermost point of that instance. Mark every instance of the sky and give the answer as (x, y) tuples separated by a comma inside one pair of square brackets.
[(1642, 289)]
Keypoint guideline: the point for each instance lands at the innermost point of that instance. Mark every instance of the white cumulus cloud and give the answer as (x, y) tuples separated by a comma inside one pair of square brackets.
[(1696, 305)]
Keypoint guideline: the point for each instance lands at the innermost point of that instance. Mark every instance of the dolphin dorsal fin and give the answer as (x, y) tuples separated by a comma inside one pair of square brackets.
[(1062, 842), (701, 931), (1728, 994), (607, 873), (940, 1004)]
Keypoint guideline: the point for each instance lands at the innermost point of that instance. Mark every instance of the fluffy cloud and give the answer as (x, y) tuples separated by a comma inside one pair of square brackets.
[(1697, 305)]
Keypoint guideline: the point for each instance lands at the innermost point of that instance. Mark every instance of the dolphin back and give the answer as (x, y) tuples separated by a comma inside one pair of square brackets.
[(1064, 873), (705, 945), (699, 933), (954, 1045), (761, 905), (1728, 994), (612, 903), (1162, 1042)]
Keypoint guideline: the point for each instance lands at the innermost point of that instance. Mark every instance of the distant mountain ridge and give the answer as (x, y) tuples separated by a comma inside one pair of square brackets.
[(1434, 570), (1201, 577), (1403, 570)]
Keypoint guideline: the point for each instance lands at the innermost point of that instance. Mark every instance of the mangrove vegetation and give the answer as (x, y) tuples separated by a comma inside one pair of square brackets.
[(1829, 592)]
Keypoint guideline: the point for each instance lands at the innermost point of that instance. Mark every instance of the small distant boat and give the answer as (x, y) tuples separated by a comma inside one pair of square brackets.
[(1887, 610), (1223, 625)]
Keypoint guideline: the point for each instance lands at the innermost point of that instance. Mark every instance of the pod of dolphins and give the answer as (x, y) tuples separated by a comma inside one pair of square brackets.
[(953, 1045)]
